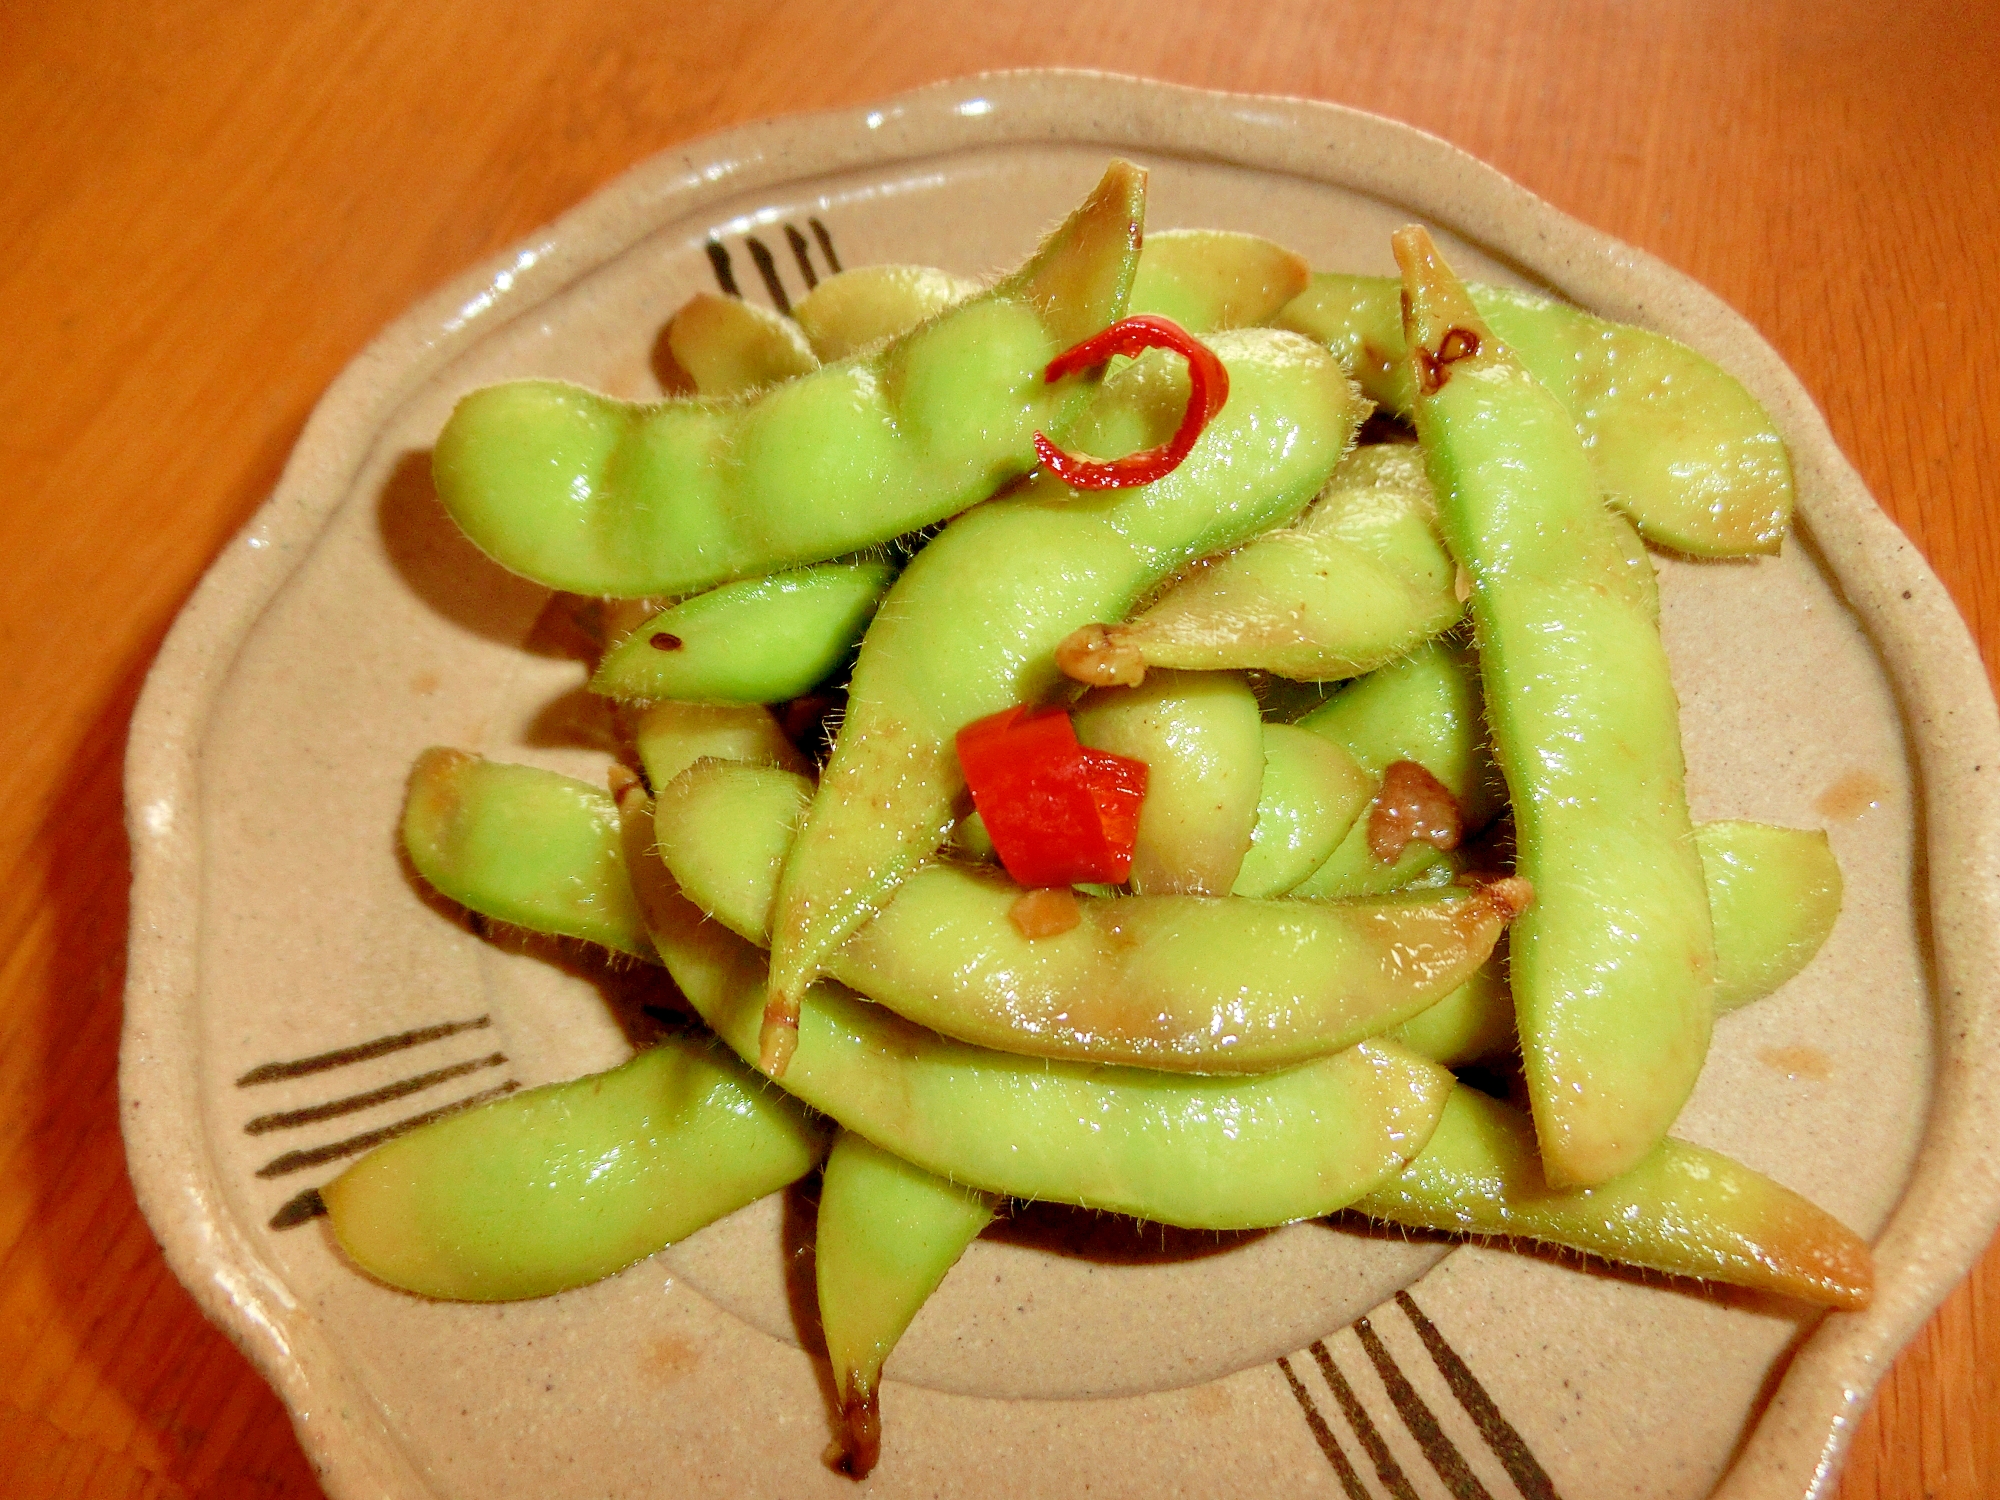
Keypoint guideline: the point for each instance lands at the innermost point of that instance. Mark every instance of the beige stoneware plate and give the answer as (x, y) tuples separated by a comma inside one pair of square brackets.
[(293, 995)]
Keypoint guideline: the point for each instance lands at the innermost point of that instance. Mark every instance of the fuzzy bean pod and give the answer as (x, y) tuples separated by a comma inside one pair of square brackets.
[(1613, 967), (598, 496), (1680, 1209), (1673, 440), (888, 1233)]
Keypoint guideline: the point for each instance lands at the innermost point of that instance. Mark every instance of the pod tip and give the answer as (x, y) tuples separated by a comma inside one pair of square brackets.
[(1413, 249), (1439, 320)]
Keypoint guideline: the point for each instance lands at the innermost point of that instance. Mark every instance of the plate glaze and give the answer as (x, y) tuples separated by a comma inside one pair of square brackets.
[(292, 992)]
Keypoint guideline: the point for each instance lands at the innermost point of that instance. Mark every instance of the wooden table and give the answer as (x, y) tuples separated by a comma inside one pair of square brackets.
[(211, 205)]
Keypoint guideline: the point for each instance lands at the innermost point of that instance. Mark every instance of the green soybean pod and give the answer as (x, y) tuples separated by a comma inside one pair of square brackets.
[(1203, 747), (972, 625), (1613, 967), (854, 310), (723, 831), (1674, 441), (1204, 279), (1179, 983), (523, 846), (888, 1233), (730, 347), (1774, 894), (672, 736), (1680, 1209), (564, 1185), (1360, 319), (1471, 1024), (1204, 1153), (1357, 581), (598, 496), (1311, 794), (1207, 280), (759, 640)]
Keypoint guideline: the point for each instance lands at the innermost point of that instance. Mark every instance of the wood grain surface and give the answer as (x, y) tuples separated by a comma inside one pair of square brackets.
[(211, 205)]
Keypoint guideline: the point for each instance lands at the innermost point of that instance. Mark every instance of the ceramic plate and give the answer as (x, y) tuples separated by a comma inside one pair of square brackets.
[(293, 997)]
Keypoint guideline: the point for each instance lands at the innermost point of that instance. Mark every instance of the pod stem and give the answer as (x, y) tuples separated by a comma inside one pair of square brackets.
[(779, 1038), (1098, 656), (861, 1417)]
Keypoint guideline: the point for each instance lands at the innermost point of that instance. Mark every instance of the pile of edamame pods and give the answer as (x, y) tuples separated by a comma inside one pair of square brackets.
[(1261, 1023)]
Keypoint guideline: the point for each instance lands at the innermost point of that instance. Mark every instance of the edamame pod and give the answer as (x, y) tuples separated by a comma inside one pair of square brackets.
[(1774, 894), (1425, 708), (1681, 1209), (670, 737), (522, 845), (730, 347), (1207, 280), (561, 1186), (888, 1232), (1613, 968), (1674, 441), (1202, 1153), (1352, 872), (971, 626), (855, 310), (759, 640), (1361, 579), (1311, 794), (1183, 983), (1202, 743), (1472, 1023), (598, 496), (724, 831)]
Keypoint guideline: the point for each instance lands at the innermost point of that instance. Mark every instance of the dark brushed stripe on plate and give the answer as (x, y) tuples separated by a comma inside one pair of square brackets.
[(291, 1119), (1421, 1421), (298, 1161), (725, 273), (767, 268), (342, 1057), (1386, 1468), (803, 255), (1323, 1435), (825, 245), (1507, 1444)]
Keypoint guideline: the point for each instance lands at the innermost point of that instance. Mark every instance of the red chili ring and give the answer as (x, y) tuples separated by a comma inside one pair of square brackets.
[(1208, 388)]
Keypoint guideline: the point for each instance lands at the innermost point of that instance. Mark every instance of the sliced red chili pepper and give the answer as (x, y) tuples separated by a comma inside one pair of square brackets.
[(1208, 388), (1056, 812), (1117, 785)]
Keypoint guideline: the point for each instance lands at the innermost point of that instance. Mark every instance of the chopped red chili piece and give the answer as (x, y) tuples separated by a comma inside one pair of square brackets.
[(1117, 785), (1057, 813), (1208, 388)]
